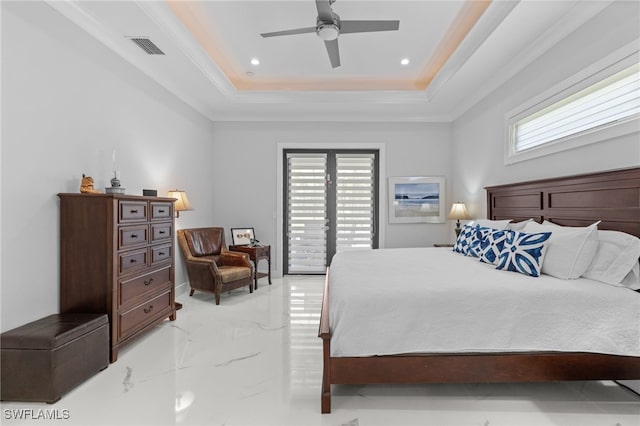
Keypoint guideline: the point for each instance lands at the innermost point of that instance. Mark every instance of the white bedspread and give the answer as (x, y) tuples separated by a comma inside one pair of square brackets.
[(395, 301)]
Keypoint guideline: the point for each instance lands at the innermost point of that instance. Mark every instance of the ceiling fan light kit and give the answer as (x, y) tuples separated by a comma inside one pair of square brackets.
[(329, 27), (328, 32)]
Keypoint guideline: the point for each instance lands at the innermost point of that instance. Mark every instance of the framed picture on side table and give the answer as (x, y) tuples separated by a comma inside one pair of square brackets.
[(242, 236)]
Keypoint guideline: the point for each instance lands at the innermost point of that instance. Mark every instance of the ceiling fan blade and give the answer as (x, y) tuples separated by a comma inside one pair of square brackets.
[(290, 32), (347, 27), (324, 10), (334, 52)]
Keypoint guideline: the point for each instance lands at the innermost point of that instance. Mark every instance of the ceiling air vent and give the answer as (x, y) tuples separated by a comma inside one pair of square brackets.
[(147, 45)]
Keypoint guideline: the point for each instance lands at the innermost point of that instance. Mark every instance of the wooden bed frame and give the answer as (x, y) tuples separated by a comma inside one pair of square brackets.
[(612, 197)]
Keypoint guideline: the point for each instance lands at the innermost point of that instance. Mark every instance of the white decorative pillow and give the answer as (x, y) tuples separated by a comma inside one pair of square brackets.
[(523, 252), (570, 249), (616, 256), (518, 226), (632, 280), (494, 224)]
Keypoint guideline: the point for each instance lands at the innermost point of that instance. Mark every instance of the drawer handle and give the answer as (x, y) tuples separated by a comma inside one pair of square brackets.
[(133, 211), (161, 232), (134, 235), (149, 309), (149, 281), (161, 211), (160, 253), (132, 261)]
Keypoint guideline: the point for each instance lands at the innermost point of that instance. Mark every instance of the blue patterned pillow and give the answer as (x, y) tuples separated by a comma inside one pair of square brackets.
[(464, 239), (468, 242), (523, 252), (492, 245), (478, 236)]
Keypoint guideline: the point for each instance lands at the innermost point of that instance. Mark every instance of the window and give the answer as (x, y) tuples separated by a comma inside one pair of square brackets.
[(601, 106)]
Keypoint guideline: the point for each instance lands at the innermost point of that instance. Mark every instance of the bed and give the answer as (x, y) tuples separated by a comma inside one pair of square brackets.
[(613, 198)]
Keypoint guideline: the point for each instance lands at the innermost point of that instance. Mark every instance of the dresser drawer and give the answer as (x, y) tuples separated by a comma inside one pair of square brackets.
[(132, 260), (134, 287), (161, 210), (129, 211), (161, 231), (145, 313), (130, 236), (161, 254)]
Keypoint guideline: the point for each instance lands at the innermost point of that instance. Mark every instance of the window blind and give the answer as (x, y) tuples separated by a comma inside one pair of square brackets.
[(307, 213), (355, 201), (609, 101)]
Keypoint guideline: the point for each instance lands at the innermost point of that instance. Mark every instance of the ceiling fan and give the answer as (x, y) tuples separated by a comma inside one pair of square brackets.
[(329, 26)]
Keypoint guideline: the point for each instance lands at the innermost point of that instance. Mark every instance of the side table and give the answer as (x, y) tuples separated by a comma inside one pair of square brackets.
[(256, 253)]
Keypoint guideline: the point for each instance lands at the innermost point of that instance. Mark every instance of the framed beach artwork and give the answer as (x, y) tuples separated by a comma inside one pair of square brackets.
[(416, 199)]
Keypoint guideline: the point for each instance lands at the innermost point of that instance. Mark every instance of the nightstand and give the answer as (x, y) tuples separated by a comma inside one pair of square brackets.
[(256, 253)]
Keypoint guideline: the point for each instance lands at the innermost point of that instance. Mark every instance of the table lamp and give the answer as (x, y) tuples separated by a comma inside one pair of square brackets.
[(182, 202), (458, 212)]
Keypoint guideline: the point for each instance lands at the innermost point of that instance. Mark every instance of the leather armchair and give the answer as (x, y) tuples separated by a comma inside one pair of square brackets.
[(211, 267)]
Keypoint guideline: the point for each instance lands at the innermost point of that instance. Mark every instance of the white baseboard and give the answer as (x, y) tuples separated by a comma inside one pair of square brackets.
[(182, 288)]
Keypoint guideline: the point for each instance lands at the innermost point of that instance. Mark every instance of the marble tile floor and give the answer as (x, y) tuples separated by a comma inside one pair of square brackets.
[(256, 360)]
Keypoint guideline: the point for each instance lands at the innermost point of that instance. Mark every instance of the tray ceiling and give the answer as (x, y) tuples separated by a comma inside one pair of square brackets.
[(458, 51)]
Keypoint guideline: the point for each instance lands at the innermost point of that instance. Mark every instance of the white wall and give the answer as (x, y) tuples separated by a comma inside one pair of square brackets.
[(67, 103), (245, 165), (479, 135)]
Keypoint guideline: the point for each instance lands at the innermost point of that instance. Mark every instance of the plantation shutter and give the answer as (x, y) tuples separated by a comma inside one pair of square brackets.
[(355, 194), (307, 212)]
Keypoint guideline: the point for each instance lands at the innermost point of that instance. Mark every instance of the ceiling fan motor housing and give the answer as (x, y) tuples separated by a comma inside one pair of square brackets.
[(328, 30)]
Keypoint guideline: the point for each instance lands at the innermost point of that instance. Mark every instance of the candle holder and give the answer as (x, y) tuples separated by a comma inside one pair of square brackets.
[(115, 185)]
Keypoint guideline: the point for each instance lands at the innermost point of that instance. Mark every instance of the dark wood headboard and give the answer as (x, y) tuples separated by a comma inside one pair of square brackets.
[(612, 197)]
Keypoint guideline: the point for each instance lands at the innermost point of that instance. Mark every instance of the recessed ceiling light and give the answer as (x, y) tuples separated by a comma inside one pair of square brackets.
[(255, 61), (405, 61)]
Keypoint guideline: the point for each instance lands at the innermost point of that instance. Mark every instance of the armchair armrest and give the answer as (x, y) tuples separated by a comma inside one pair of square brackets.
[(235, 258)]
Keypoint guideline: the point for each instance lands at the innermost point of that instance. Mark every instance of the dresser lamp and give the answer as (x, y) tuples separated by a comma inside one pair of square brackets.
[(458, 212), (182, 202)]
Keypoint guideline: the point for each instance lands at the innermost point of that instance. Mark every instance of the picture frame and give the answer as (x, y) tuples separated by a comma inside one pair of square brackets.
[(417, 199), (242, 236)]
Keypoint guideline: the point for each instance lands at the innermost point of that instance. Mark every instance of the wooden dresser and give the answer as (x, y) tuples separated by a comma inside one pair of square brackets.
[(117, 257)]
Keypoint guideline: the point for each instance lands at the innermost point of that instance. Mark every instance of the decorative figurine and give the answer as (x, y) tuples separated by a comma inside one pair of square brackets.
[(86, 186)]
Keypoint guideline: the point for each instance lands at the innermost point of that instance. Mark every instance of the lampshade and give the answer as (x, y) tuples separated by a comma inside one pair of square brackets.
[(182, 202), (459, 211)]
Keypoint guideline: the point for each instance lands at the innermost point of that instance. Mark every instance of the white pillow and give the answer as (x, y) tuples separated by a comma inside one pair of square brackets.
[(616, 257), (494, 224), (518, 226), (632, 280), (570, 249)]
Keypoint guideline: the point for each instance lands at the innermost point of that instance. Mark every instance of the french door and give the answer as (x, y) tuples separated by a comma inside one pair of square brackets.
[(330, 205)]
